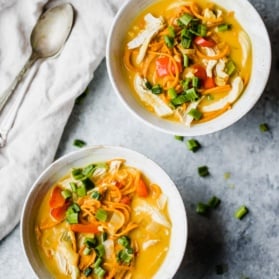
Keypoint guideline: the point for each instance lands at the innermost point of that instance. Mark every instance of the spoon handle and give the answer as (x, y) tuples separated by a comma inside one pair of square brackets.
[(7, 94)]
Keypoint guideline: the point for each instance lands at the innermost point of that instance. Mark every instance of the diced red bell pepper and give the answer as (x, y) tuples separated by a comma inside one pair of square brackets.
[(56, 198), (204, 42), (162, 66), (209, 83), (59, 213), (200, 72)]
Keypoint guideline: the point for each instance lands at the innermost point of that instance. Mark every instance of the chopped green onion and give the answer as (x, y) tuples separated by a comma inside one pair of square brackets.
[(193, 145), (241, 212), (87, 251), (171, 31), (195, 82), (101, 215), (97, 262), (72, 214), (88, 170), (223, 27), (180, 99), (185, 83), (203, 171), (124, 241), (90, 242), (172, 93), (104, 236), (66, 194), (87, 271), (148, 85), (73, 186), (192, 94), (77, 174), (81, 190), (99, 271), (263, 127), (197, 115), (214, 202), (185, 60), (124, 256), (87, 183), (202, 30), (185, 19), (230, 67), (156, 89), (79, 143), (96, 195), (186, 42), (202, 208), (169, 41), (72, 218), (100, 250), (180, 138)]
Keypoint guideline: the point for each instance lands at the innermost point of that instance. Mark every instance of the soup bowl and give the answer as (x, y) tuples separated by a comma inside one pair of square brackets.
[(149, 168), (245, 14)]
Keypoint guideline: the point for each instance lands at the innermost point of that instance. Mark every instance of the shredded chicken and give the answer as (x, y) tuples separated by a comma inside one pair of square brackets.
[(153, 26), (237, 87), (246, 46), (160, 108), (221, 76)]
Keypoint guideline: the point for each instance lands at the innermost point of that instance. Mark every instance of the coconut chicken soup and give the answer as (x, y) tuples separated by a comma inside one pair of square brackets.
[(104, 220), (188, 61)]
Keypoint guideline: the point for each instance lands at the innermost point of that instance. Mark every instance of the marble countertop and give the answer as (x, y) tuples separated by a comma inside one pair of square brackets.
[(248, 247)]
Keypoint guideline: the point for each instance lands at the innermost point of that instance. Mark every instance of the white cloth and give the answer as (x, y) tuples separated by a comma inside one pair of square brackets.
[(51, 93)]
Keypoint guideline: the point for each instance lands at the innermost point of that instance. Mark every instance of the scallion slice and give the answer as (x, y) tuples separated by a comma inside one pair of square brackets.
[(171, 31), (203, 171), (214, 202), (263, 127), (196, 114), (202, 208), (241, 212), (156, 89), (169, 41), (79, 143), (87, 271), (180, 138), (223, 27), (124, 240), (185, 60), (193, 145), (66, 194), (185, 19), (101, 215), (99, 271)]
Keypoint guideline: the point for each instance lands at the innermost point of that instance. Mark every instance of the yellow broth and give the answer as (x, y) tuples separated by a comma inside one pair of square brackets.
[(149, 239), (228, 38)]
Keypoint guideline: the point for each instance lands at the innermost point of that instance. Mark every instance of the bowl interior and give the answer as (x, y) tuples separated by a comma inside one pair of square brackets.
[(261, 63), (96, 154)]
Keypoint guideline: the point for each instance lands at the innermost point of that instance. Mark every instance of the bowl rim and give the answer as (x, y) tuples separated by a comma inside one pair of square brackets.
[(226, 119), (66, 162)]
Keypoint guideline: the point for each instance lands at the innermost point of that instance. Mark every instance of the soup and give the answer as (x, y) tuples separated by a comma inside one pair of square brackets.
[(187, 61), (105, 220)]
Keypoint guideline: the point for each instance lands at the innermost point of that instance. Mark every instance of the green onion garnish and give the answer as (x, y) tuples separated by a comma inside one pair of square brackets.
[(193, 145), (101, 215), (186, 42), (169, 41), (87, 271), (203, 171), (195, 82), (81, 190), (241, 212), (96, 195), (124, 256), (197, 115), (180, 138), (202, 208), (87, 251), (97, 262), (214, 202), (124, 241), (185, 19), (223, 27), (73, 186), (66, 194), (171, 31), (90, 242), (148, 85), (72, 218), (230, 67), (87, 182), (172, 93), (79, 143), (185, 60), (77, 174), (99, 271), (156, 89), (263, 127), (100, 250)]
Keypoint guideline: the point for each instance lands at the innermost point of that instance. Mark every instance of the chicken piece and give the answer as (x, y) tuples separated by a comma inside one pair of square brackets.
[(246, 46), (153, 26), (209, 64), (160, 108), (221, 76), (237, 87)]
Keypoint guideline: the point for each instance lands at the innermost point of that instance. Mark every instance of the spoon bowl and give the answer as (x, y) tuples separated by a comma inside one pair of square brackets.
[(47, 39)]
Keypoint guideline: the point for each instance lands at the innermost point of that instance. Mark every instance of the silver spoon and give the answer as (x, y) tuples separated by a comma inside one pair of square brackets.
[(47, 39)]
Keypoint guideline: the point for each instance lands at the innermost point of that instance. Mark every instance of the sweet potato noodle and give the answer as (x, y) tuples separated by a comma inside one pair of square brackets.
[(104, 220), (187, 61)]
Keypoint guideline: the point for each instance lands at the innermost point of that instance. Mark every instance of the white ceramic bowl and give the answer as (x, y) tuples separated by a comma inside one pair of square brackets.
[(250, 20), (96, 154)]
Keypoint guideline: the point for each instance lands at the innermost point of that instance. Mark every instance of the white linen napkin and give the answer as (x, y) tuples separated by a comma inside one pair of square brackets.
[(51, 89)]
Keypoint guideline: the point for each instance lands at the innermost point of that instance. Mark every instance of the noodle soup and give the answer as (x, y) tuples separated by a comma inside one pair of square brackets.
[(104, 220), (187, 61)]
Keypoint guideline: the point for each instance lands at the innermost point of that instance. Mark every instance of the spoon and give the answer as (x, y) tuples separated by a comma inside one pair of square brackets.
[(47, 39)]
